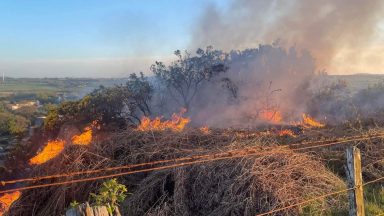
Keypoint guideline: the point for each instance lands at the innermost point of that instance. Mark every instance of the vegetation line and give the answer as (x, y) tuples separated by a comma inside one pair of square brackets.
[(219, 155)]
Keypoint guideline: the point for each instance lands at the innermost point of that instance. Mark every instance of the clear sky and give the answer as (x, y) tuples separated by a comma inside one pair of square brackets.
[(113, 38), (92, 37)]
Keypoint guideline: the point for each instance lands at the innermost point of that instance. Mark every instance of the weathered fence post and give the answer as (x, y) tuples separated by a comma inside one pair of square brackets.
[(355, 180), (86, 210)]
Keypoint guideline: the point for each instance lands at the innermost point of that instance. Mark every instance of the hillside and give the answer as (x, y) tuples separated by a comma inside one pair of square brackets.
[(206, 140), (256, 173)]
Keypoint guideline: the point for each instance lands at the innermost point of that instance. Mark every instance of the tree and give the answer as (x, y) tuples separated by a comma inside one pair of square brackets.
[(104, 104), (4, 118), (138, 94), (184, 77), (51, 122), (27, 111), (46, 97), (13, 124), (18, 125)]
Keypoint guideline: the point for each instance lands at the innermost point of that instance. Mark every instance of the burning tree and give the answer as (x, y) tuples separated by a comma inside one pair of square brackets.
[(184, 77)]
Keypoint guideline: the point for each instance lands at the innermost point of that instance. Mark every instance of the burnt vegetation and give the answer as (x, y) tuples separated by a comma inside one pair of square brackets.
[(230, 93), (213, 86)]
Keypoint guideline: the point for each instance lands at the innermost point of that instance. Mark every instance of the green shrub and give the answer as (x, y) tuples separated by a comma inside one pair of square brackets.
[(18, 125), (110, 195), (13, 124), (74, 204), (374, 199)]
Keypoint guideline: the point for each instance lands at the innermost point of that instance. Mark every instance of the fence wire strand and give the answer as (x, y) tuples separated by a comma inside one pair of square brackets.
[(60, 175), (214, 157)]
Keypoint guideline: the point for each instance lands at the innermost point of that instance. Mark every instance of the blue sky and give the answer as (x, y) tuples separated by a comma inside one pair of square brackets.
[(113, 38), (49, 38)]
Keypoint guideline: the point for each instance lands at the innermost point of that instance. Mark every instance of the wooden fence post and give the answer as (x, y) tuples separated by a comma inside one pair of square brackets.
[(85, 209), (355, 180)]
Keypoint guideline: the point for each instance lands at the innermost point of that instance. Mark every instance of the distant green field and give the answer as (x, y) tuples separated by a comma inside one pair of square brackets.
[(26, 87), (53, 85)]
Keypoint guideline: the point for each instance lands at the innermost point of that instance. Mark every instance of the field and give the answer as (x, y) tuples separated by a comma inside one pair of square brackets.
[(53, 85)]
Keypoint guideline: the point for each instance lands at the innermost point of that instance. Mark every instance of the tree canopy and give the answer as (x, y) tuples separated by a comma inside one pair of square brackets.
[(184, 77)]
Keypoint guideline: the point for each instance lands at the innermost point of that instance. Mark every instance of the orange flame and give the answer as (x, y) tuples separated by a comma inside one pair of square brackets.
[(83, 139), (271, 116), (49, 152), (205, 130), (7, 199), (177, 123), (286, 132), (96, 124), (310, 122)]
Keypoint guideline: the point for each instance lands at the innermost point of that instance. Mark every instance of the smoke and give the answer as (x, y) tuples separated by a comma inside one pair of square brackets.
[(268, 78), (334, 31), (301, 38)]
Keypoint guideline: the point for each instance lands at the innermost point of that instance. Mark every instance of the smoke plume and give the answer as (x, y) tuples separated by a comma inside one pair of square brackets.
[(299, 39), (334, 31)]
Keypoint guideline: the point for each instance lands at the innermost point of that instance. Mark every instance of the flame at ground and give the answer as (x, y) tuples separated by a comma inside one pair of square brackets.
[(286, 132), (83, 139), (7, 199), (310, 122), (271, 115), (49, 152), (205, 130), (177, 123)]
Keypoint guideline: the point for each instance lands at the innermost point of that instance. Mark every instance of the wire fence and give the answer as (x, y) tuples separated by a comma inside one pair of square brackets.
[(199, 159), (305, 202), (319, 197), (237, 152)]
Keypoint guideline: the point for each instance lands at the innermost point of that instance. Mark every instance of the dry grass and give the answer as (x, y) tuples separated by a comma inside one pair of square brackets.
[(234, 187), (240, 186)]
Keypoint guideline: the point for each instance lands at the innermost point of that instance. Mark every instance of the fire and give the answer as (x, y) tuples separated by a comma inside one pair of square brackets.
[(96, 124), (83, 139), (177, 123), (7, 199), (308, 121), (49, 152), (205, 130), (286, 132), (271, 115)]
